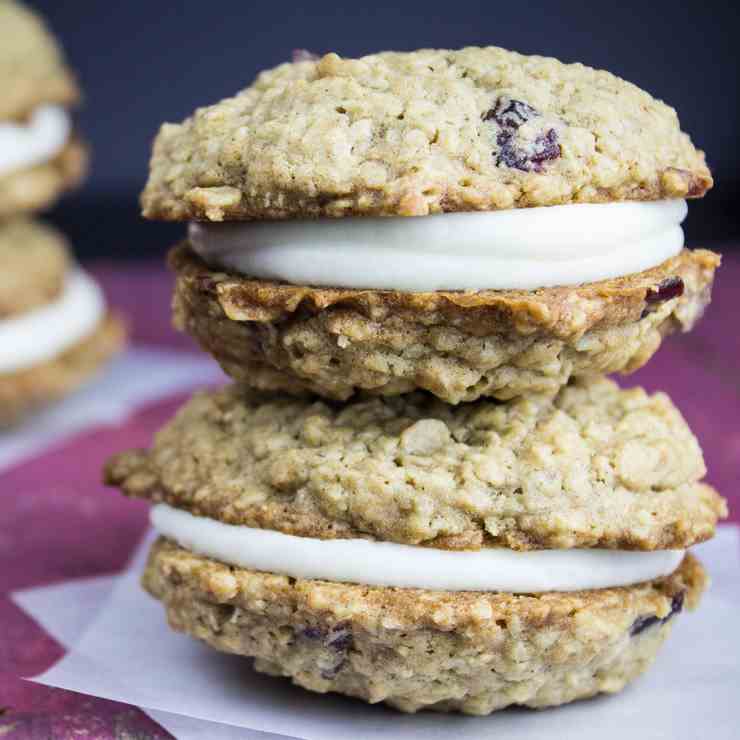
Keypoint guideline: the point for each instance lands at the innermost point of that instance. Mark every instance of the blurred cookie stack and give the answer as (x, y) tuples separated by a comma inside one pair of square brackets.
[(421, 489), (55, 331)]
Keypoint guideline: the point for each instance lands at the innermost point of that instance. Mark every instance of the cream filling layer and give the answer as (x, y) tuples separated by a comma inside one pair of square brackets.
[(25, 145), (389, 564), (44, 333), (523, 248)]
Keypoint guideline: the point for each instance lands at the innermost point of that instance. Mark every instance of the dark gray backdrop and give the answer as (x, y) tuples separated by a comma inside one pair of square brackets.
[(143, 62)]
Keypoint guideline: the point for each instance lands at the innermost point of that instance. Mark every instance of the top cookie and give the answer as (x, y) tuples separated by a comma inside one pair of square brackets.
[(32, 70), (418, 133)]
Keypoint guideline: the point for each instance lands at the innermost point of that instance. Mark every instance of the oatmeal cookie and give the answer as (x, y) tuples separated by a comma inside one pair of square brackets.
[(25, 391), (421, 132), (415, 649), (34, 259), (460, 345), (32, 68), (595, 467)]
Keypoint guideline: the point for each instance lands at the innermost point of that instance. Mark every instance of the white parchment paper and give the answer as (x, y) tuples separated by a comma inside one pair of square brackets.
[(128, 654), (75, 604)]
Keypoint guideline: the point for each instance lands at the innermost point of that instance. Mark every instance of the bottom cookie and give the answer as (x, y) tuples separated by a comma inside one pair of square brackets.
[(414, 649), (36, 188), (24, 391)]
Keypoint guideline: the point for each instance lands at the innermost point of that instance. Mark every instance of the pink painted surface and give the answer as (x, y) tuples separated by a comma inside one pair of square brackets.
[(57, 521)]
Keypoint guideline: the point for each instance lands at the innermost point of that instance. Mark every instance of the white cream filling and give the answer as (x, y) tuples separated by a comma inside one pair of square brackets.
[(43, 333), (374, 563), (522, 248), (41, 139)]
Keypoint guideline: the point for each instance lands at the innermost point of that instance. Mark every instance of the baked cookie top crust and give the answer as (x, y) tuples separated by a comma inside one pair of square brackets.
[(34, 259), (414, 133), (32, 68), (594, 467)]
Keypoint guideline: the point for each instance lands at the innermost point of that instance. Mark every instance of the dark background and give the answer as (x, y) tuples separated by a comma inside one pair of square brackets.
[(142, 62)]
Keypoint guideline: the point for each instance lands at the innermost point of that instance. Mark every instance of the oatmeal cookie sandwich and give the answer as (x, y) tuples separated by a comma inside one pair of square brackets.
[(55, 330), (474, 223), (427, 555), (40, 155), (420, 490)]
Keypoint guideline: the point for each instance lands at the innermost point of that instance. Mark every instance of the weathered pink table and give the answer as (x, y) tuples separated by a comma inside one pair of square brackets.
[(58, 522)]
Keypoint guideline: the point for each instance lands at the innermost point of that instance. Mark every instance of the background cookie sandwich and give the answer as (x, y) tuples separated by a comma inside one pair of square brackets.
[(55, 330)]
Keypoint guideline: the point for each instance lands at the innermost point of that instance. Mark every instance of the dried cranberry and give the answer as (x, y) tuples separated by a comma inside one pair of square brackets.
[(530, 157), (340, 638), (546, 148), (313, 633), (527, 156), (676, 605), (671, 287), (643, 623), (510, 113)]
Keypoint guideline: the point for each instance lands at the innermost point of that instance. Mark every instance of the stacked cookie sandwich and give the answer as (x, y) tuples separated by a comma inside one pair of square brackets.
[(420, 488), (54, 331)]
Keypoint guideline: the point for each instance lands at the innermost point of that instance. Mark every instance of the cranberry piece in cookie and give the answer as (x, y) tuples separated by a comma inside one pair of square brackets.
[(643, 623), (514, 150), (509, 113), (672, 287), (669, 288)]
